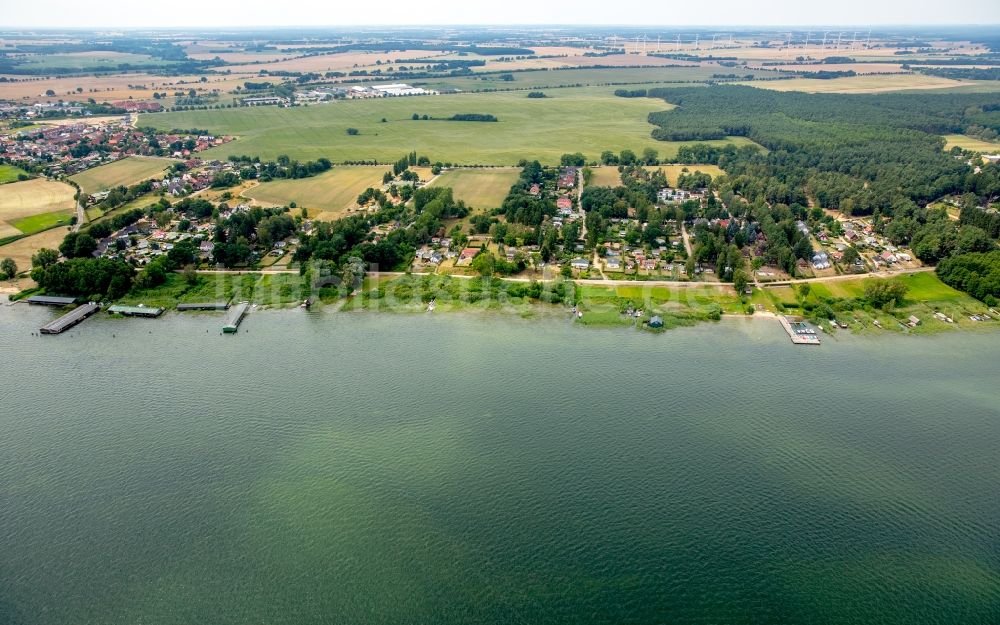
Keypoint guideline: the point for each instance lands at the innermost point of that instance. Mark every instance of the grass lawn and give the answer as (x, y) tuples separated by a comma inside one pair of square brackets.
[(601, 303), (327, 196), (587, 119), (43, 221), (95, 214), (9, 173), (263, 289), (925, 296), (969, 143), (479, 188), (124, 172)]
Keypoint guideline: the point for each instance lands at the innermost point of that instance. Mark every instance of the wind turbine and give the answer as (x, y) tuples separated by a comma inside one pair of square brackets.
[(696, 36), (868, 44), (839, 36), (854, 39), (713, 39), (824, 39), (678, 43), (806, 44)]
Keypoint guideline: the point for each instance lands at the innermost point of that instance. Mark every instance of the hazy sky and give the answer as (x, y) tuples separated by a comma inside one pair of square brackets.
[(222, 13)]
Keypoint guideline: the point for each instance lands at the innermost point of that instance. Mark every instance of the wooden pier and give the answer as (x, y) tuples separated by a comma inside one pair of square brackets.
[(234, 317), (800, 333), (204, 306), (70, 319)]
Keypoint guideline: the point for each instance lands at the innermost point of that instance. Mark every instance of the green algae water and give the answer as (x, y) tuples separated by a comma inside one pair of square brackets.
[(372, 468)]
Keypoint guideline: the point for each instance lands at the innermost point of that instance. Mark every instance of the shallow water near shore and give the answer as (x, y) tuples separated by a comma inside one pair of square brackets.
[(482, 468)]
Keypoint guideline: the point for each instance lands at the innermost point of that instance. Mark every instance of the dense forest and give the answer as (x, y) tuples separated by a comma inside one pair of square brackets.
[(860, 154), (977, 274)]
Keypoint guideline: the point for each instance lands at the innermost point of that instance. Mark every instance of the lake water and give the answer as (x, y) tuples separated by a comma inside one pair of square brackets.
[(376, 468)]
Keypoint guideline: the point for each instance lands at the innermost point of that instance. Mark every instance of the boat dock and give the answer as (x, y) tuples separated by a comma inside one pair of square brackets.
[(136, 311), (50, 300), (204, 306), (70, 319), (234, 317), (799, 332)]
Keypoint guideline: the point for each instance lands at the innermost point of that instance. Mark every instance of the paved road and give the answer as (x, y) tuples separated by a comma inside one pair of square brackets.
[(81, 216)]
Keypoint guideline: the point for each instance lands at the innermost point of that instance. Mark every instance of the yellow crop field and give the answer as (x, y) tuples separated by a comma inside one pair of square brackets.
[(969, 143), (479, 188), (327, 196), (860, 84), (32, 197)]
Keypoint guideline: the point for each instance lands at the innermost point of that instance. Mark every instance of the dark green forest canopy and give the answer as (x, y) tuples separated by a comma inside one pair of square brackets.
[(860, 153)]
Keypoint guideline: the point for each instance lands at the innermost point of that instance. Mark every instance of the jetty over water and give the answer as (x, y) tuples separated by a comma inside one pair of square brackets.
[(234, 317), (136, 311), (204, 306), (800, 333), (70, 319)]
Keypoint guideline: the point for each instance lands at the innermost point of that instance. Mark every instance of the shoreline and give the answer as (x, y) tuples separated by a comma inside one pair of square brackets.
[(537, 311)]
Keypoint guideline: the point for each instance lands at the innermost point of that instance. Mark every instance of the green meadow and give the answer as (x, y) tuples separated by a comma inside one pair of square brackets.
[(9, 173), (587, 120), (259, 288)]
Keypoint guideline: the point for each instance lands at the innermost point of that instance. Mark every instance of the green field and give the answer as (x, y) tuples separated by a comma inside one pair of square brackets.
[(125, 172), (9, 173), (42, 221), (327, 195), (926, 295), (969, 143), (553, 78), (86, 61), (479, 188), (587, 120), (263, 289)]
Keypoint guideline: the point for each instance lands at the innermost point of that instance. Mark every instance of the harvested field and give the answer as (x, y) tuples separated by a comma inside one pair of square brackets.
[(113, 87), (607, 176), (479, 188), (859, 68), (22, 249), (341, 61), (861, 84), (969, 143), (124, 172), (34, 197), (327, 196)]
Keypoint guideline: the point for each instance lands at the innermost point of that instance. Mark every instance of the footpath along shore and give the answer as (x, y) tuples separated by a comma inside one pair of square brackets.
[(593, 281)]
